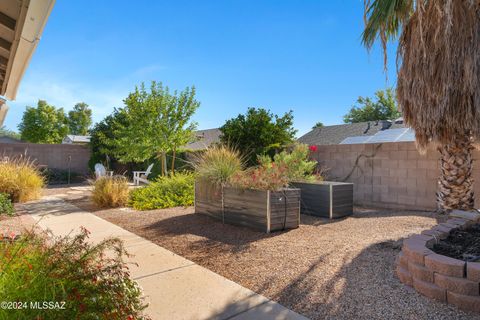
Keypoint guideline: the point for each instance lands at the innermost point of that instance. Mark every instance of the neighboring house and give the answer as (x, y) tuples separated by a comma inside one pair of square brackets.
[(73, 139), (7, 139), (204, 139), (338, 133)]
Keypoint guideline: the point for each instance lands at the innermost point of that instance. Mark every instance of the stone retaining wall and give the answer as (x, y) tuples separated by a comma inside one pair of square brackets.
[(440, 277)]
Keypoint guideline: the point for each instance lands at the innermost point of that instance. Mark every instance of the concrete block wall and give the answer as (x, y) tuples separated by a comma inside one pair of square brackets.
[(390, 175), (55, 156)]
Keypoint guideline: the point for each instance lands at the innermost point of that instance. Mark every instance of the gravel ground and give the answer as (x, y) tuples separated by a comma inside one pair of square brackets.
[(323, 270)]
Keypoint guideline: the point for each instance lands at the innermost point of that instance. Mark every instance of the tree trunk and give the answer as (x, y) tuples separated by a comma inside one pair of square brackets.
[(455, 185), (174, 153)]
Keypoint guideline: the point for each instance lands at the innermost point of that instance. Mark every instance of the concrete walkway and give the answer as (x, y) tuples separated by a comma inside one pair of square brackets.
[(175, 288)]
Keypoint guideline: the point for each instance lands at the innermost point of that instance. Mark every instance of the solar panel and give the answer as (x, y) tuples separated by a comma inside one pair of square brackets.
[(355, 140), (409, 135), (390, 135)]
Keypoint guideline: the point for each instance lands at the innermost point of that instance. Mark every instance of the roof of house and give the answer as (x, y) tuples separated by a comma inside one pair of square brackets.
[(7, 139), (204, 138), (335, 134), (79, 139)]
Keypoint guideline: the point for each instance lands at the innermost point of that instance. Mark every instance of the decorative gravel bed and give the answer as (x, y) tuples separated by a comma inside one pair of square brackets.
[(341, 269), (461, 244)]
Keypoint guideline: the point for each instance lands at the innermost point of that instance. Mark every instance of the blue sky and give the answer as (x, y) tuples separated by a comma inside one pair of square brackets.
[(301, 55)]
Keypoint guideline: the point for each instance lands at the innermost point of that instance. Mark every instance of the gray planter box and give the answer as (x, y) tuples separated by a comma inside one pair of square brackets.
[(262, 210), (326, 199)]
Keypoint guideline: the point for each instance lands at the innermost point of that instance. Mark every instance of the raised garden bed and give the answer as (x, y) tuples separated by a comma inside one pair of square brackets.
[(435, 264), (326, 199), (262, 210)]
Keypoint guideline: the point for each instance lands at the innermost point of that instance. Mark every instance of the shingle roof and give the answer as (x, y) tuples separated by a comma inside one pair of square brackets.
[(205, 138), (337, 133)]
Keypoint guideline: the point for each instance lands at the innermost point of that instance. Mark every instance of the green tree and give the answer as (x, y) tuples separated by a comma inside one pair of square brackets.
[(4, 132), (103, 133), (258, 132), (80, 119), (382, 107), (43, 124), (158, 122), (318, 125), (437, 81)]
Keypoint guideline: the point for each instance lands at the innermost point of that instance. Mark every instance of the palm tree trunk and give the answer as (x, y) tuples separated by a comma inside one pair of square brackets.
[(455, 185)]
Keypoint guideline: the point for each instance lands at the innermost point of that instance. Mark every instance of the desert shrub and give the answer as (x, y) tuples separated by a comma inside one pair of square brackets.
[(84, 281), (21, 180), (110, 192), (218, 164), (165, 192), (296, 163), (6, 206)]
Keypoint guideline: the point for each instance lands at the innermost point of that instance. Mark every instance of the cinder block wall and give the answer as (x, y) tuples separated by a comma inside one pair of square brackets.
[(52, 155), (389, 175)]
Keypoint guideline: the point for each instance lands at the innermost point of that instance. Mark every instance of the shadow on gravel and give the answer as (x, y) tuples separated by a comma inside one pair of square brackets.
[(365, 288)]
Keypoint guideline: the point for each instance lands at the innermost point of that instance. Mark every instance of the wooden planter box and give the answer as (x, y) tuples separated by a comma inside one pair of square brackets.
[(258, 209), (326, 199)]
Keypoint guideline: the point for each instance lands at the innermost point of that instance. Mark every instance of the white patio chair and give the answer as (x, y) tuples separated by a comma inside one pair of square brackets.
[(141, 176), (100, 171)]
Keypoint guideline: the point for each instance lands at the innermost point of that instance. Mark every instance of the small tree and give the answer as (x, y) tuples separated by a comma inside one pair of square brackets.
[(43, 124), (318, 125), (383, 107), (80, 119), (158, 122), (259, 132)]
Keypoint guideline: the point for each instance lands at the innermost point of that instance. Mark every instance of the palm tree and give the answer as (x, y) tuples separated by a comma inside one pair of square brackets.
[(438, 85)]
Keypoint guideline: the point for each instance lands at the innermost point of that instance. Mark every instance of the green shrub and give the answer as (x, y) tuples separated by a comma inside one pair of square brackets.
[(165, 192), (218, 164), (21, 180), (6, 206), (110, 192), (85, 281)]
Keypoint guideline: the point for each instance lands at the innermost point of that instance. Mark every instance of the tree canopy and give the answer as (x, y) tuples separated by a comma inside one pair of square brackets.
[(158, 122), (318, 125), (4, 132), (43, 124), (80, 119), (382, 107), (258, 132)]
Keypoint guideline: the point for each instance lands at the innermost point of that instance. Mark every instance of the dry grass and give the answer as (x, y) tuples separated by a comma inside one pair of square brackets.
[(21, 180), (110, 192)]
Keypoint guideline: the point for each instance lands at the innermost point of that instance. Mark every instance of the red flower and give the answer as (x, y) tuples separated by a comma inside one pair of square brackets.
[(313, 148)]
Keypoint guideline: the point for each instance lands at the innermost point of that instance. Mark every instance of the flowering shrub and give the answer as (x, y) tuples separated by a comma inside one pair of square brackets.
[(313, 148), (78, 280), (296, 163), (264, 177), (166, 192)]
